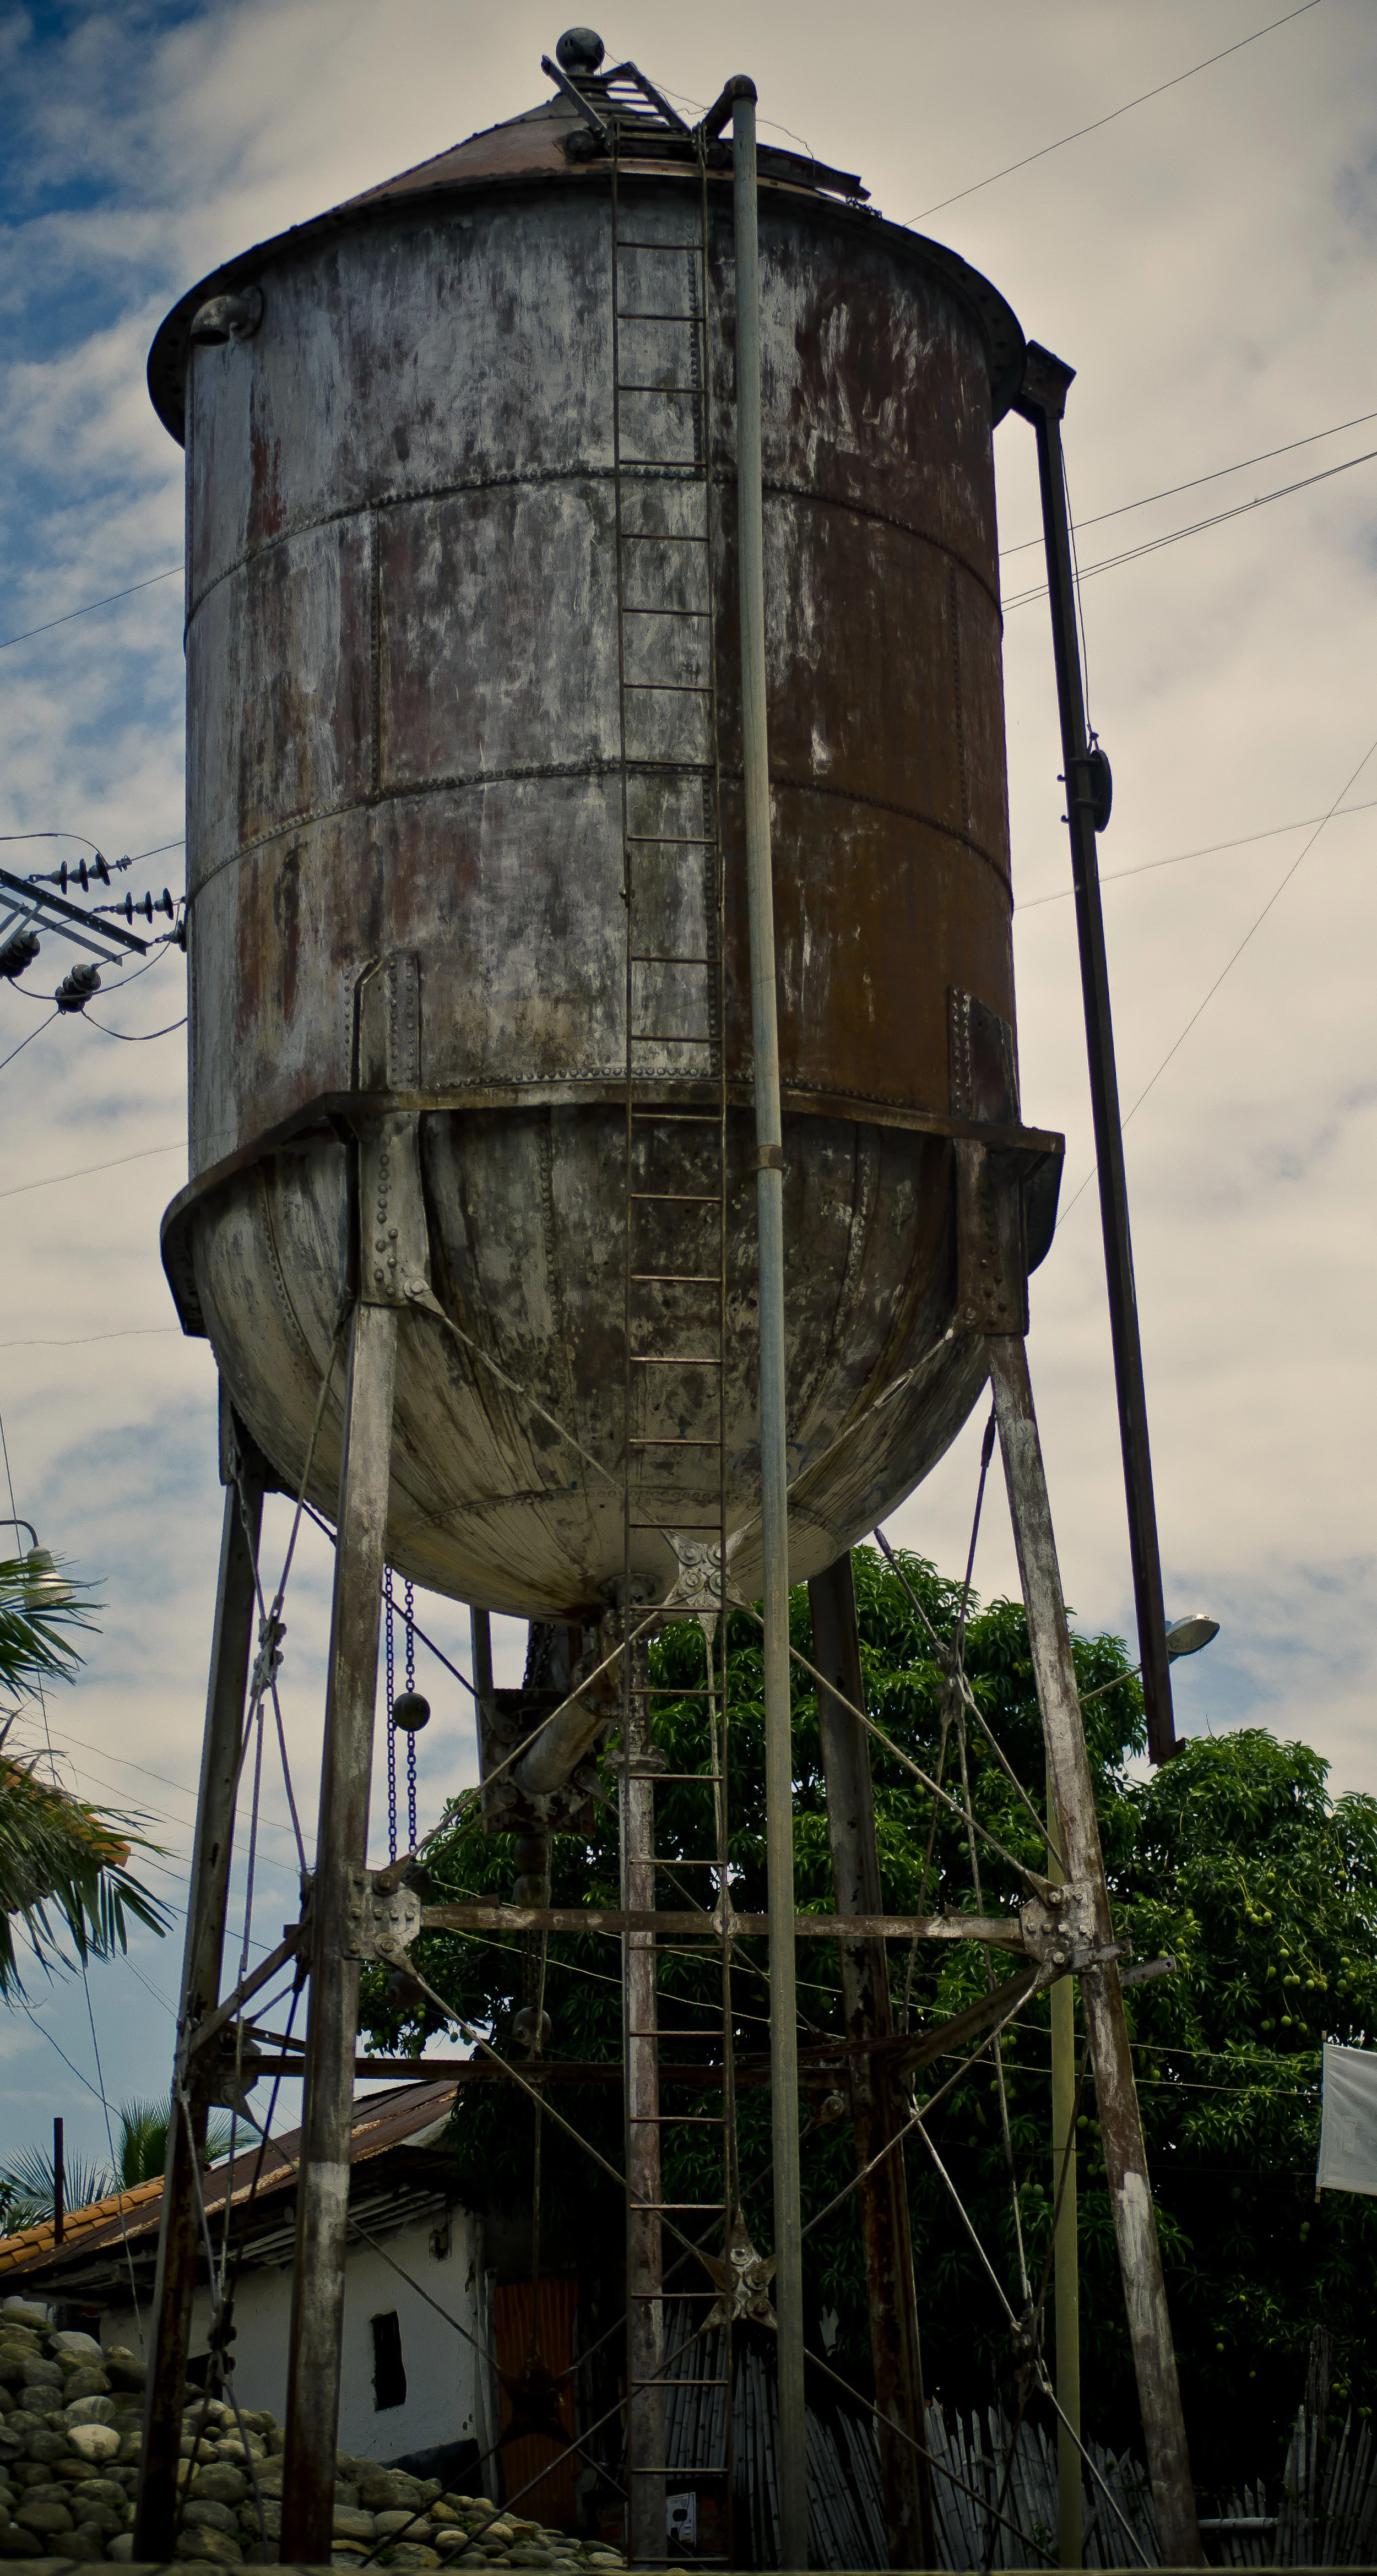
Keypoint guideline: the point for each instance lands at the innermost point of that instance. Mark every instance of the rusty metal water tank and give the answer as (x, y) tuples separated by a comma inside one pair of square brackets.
[(410, 786)]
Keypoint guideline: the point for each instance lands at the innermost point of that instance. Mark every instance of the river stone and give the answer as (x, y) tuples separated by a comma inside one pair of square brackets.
[(44, 2374), (125, 2372), (69, 2344), (94, 2442), (221, 2482), (104, 2491), (92, 2408), (389, 2490), (410, 2553), (395, 2518), (121, 2547), (44, 2518), (86, 2542), (52, 2492), (90, 2516), (203, 2514), (25, 2312), (217, 2546), (86, 2382), (45, 2442), (350, 2522)]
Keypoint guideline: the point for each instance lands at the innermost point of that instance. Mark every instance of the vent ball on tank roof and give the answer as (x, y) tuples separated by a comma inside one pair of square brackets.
[(579, 50)]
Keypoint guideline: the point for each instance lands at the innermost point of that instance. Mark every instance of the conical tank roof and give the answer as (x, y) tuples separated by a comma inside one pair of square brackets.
[(557, 143)]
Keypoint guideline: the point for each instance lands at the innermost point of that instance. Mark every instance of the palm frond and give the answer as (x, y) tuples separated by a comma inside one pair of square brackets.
[(36, 1631), (63, 1872)]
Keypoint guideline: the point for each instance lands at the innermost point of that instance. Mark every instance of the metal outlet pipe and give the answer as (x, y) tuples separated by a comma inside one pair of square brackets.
[(1066, 2254), (769, 1133)]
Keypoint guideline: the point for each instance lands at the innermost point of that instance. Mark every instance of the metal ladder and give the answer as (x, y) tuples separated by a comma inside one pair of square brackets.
[(674, 1268)]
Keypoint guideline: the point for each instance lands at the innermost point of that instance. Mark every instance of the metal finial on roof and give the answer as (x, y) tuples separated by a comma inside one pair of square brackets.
[(579, 49)]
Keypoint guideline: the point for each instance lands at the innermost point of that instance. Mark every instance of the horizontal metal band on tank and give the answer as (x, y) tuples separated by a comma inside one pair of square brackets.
[(478, 781), (321, 1118), (540, 477)]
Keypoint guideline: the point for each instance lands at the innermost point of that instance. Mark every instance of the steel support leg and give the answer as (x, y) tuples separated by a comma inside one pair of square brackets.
[(645, 2333), (1071, 1793), (774, 1510), (883, 2194), (207, 1905), (317, 2323)]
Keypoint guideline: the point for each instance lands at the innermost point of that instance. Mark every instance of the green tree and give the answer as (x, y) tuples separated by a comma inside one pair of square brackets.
[(1233, 1859), (63, 1863)]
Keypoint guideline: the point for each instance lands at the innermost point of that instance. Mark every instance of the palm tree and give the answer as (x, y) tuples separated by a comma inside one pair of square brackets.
[(26, 2184), (62, 1861)]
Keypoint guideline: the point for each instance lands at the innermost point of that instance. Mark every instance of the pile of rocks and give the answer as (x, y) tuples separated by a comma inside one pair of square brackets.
[(70, 2436)]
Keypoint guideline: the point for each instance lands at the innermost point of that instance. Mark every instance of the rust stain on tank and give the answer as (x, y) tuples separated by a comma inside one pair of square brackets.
[(406, 760)]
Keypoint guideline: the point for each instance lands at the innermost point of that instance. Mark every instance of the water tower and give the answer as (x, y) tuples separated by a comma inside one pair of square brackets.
[(610, 1190)]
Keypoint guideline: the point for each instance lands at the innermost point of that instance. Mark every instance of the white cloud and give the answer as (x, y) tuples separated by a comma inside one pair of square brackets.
[(1204, 262)]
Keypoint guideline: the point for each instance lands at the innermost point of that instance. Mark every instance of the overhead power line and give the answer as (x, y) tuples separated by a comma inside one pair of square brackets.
[(1114, 876), (54, 1180), (1115, 112), (1227, 969), (1218, 475), (1198, 527), (108, 602)]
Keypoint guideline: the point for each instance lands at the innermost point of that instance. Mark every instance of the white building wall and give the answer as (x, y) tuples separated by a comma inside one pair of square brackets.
[(447, 2397)]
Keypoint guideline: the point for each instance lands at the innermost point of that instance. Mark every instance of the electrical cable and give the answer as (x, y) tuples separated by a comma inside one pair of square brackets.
[(92, 604), (1114, 876), (28, 1041), (53, 1180), (1170, 490), (144, 1035), (1199, 527), (1226, 970), (77, 1341), (1114, 113)]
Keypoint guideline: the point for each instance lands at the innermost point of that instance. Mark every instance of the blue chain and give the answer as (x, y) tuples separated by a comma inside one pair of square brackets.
[(411, 1740), (391, 1730)]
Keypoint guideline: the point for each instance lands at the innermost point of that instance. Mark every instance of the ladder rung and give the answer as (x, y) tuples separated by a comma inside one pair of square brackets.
[(680, 2208), (668, 1441), (667, 1860), (670, 1037), (710, 1779), (693, 393), (686, 1198), (686, 248), (683, 1117), (669, 688), (666, 465), (679, 1278), (676, 1529), (676, 1359), (677, 2119), (667, 957), (660, 537), (658, 317), (673, 840), (659, 2296), (705, 613)]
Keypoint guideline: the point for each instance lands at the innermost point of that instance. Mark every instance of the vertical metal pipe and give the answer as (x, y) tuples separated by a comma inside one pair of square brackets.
[(317, 2321), (882, 2192), (779, 1777), (207, 1907), (1042, 401), (1121, 2130), (1066, 2291), (646, 2537), (59, 2184)]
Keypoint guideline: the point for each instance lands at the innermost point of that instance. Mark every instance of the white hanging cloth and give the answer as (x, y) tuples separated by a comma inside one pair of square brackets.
[(1348, 2121)]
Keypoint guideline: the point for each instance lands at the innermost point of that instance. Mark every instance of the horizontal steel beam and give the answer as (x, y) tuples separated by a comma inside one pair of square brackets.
[(1000, 1931)]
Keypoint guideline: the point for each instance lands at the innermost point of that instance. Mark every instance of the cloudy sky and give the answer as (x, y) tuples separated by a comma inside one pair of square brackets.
[(1205, 261)]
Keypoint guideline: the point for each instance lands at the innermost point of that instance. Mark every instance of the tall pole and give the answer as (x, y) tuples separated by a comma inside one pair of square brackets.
[(207, 1907), (1071, 1795), (774, 1516), (1042, 401), (1066, 2290), (882, 2186), (317, 2320), (644, 2241)]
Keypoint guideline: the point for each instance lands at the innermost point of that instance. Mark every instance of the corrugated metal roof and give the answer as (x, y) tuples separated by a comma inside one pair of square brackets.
[(404, 2123)]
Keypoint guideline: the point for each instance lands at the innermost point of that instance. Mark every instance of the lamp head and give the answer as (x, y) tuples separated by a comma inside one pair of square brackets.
[(1187, 1636)]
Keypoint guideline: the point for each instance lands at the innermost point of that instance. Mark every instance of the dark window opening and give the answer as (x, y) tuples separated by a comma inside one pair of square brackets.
[(389, 2375)]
